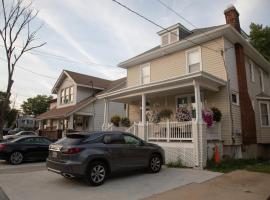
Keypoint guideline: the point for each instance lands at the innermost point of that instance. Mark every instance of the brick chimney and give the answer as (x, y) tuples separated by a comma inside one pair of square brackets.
[(232, 17), (248, 124)]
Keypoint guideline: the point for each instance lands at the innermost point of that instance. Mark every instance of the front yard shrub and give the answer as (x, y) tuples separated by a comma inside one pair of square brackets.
[(115, 120), (176, 164), (125, 122), (217, 115), (165, 113)]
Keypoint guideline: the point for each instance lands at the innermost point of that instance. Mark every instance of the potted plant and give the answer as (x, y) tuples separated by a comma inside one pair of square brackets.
[(165, 113), (125, 122), (183, 114), (115, 120), (217, 115), (207, 116)]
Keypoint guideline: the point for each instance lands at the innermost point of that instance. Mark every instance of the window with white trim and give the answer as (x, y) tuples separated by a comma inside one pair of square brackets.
[(67, 95), (235, 98), (261, 80), (265, 114), (251, 70), (193, 60), (165, 39), (145, 74)]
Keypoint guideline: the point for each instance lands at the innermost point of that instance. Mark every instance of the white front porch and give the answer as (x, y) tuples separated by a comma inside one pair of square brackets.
[(191, 134)]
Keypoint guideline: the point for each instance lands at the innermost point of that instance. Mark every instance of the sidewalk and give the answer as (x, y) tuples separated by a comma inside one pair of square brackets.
[(236, 185)]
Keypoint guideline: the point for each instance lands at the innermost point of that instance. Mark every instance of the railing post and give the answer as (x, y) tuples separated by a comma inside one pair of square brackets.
[(168, 130), (147, 131)]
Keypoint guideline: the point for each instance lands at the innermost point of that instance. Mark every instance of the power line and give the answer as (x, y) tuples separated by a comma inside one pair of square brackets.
[(183, 18), (62, 58), (28, 70), (154, 23)]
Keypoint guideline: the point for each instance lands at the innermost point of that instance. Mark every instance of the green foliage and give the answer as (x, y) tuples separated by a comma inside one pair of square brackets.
[(234, 164), (125, 122), (11, 117), (217, 115), (260, 39), (176, 164), (36, 105), (165, 113), (116, 120)]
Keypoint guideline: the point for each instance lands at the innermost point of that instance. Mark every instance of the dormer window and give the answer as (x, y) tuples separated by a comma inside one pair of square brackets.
[(67, 95), (173, 34)]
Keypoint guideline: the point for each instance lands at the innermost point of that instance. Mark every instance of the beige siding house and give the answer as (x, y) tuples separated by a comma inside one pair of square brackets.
[(196, 70)]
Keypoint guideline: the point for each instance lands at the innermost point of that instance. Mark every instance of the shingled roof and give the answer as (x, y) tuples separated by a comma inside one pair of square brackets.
[(65, 111)]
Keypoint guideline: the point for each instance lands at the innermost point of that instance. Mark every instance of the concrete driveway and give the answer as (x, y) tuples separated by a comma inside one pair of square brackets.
[(32, 183)]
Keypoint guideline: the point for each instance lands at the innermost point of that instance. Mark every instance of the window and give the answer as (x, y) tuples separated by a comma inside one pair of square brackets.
[(145, 74), (264, 112), (165, 39), (235, 98), (113, 139), (251, 70), (193, 61), (131, 140), (261, 80), (173, 36), (67, 95)]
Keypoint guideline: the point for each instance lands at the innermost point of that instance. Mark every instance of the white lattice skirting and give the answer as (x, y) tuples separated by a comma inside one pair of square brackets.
[(179, 151)]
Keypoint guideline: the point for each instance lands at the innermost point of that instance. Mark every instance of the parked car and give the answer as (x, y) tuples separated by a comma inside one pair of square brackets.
[(14, 131), (25, 148), (6, 130), (17, 135), (93, 156)]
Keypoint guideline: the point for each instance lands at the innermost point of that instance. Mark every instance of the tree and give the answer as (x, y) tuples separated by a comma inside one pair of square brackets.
[(260, 39), (16, 17), (10, 114), (36, 105)]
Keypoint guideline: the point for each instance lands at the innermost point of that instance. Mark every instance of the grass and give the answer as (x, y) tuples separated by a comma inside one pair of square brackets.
[(235, 164), (177, 164)]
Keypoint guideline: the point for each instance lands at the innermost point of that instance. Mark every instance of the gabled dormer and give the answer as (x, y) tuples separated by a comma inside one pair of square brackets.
[(173, 34)]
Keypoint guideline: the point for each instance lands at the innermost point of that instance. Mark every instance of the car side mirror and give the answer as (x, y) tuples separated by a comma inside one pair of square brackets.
[(142, 143)]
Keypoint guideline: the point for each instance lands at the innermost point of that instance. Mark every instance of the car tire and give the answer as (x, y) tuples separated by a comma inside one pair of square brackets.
[(16, 158), (155, 163), (96, 173)]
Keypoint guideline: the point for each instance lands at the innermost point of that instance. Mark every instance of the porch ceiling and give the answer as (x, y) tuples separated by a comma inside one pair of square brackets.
[(178, 85)]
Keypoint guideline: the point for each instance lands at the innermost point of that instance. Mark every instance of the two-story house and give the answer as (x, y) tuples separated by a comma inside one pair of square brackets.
[(196, 70), (76, 107)]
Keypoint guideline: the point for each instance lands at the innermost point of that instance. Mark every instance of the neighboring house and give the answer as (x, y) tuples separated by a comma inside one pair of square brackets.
[(76, 107), (26, 122), (215, 66)]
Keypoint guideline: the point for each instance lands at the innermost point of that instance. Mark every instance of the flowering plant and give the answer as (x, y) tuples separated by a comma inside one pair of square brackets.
[(153, 116), (207, 116), (182, 114)]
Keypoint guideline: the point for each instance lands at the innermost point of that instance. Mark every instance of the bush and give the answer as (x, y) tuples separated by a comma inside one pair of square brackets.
[(176, 164), (165, 113), (125, 122), (115, 120), (217, 115)]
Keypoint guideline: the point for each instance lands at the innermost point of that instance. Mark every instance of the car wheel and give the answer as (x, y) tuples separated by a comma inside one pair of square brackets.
[(155, 163), (16, 158), (96, 173)]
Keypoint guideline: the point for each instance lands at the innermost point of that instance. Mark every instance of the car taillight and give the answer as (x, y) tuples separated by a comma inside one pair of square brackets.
[(2, 147), (71, 150)]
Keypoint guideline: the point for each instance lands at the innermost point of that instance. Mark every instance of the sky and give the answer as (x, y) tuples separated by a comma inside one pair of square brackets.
[(93, 36)]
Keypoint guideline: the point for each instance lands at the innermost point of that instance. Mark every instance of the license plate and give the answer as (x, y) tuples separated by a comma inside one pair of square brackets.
[(54, 154)]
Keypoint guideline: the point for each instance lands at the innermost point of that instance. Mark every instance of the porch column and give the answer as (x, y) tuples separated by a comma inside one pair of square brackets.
[(197, 93), (127, 110), (143, 109), (106, 113), (70, 122)]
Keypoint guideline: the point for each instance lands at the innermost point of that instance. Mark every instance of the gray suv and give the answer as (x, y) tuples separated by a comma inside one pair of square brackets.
[(94, 156)]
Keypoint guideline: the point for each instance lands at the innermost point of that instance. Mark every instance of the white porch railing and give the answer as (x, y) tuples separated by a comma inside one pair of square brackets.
[(170, 131)]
